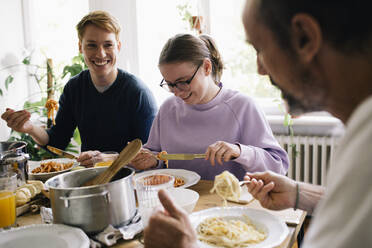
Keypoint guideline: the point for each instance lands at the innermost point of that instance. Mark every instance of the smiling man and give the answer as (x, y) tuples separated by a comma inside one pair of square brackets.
[(319, 53), (109, 106)]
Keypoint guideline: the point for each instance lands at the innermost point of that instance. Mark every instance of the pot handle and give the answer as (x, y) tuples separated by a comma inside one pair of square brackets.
[(67, 200)]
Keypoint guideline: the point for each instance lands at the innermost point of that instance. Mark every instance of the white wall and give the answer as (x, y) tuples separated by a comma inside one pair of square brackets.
[(11, 52)]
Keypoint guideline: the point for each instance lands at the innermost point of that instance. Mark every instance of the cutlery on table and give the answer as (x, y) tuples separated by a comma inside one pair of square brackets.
[(181, 156), (242, 201), (242, 183), (60, 152)]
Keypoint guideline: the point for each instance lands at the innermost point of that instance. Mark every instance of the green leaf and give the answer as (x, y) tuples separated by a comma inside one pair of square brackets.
[(287, 120), (8, 81), (77, 136), (78, 59), (73, 69), (36, 153), (26, 60), (1, 92)]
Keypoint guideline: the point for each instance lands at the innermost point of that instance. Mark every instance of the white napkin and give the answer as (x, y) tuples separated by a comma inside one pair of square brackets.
[(46, 215), (111, 235)]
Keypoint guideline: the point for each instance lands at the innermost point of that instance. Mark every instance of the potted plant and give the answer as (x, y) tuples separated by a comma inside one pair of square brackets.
[(48, 83), (195, 22)]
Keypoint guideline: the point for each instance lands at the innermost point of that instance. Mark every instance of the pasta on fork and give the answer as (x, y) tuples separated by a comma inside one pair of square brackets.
[(51, 106), (226, 185)]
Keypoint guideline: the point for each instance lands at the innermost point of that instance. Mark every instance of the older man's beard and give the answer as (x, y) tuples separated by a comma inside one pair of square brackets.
[(298, 107)]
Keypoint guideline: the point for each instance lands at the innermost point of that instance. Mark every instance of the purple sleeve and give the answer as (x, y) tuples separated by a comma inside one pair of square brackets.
[(260, 150)]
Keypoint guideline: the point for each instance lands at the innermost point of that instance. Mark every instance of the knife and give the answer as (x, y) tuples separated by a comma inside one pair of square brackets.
[(181, 156), (60, 152)]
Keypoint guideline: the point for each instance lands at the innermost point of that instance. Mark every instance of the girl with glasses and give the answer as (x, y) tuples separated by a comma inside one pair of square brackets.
[(202, 116)]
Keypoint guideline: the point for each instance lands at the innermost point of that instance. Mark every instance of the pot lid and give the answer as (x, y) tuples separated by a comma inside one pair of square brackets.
[(8, 149), (6, 146)]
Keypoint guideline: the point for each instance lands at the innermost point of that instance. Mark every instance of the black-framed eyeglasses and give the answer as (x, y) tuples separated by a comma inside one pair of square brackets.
[(183, 85)]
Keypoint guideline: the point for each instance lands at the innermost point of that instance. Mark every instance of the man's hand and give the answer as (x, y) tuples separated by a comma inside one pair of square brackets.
[(89, 158), (274, 191), (169, 228), (18, 120), (144, 160)]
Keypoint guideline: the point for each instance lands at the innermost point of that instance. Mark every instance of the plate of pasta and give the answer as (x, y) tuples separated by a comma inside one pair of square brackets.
[(238, 227), (45, 169), (183, 178)]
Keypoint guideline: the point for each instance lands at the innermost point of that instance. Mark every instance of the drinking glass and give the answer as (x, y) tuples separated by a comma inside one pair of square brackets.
[(147, 188), (8, 184)]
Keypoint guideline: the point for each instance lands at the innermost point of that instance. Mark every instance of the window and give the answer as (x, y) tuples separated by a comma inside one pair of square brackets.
[(52, 33), (240, 58), (225, 25), (44, 29), (157, 22)]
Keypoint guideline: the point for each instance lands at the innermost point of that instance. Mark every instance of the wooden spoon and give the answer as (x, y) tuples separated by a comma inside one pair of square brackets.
[(125, 156)]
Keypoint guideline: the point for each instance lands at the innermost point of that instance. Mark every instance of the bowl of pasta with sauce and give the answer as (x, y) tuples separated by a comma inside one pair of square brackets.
[(185, 198)]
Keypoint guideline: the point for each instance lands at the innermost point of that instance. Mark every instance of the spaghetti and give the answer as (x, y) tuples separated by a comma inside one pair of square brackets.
[(229, 232), (159, 156), (226, 185), (51, 106), (178, 182)]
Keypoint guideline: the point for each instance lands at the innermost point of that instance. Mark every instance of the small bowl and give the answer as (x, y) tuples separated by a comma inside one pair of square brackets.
[(185, 198)]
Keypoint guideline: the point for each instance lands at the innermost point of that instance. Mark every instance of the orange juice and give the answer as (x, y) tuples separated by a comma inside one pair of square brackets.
[(7, 208)]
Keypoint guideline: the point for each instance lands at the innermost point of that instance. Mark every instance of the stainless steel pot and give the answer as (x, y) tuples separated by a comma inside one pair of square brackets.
[(12, 147), (13, 158), (92, 208)]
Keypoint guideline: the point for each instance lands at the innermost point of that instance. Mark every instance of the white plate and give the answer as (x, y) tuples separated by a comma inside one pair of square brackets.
[(45, 176), (44, 235), (190, 177), (275, 228)]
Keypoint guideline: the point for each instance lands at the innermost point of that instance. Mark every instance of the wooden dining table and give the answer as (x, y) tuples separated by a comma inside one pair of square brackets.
[(293, 219)]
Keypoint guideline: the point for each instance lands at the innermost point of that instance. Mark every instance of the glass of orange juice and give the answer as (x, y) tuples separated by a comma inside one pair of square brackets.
[(8, 185), (108, 158)]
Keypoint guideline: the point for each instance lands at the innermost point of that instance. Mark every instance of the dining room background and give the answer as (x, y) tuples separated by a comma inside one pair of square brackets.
[(41, 29)]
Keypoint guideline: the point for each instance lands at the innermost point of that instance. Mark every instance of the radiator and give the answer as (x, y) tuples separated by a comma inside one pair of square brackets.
[(309, 157)]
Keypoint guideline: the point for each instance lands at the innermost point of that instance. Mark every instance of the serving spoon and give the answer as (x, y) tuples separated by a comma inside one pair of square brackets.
[(125, 156)]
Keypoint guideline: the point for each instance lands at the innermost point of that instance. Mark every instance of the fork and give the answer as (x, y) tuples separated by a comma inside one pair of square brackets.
[(242, 183)]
